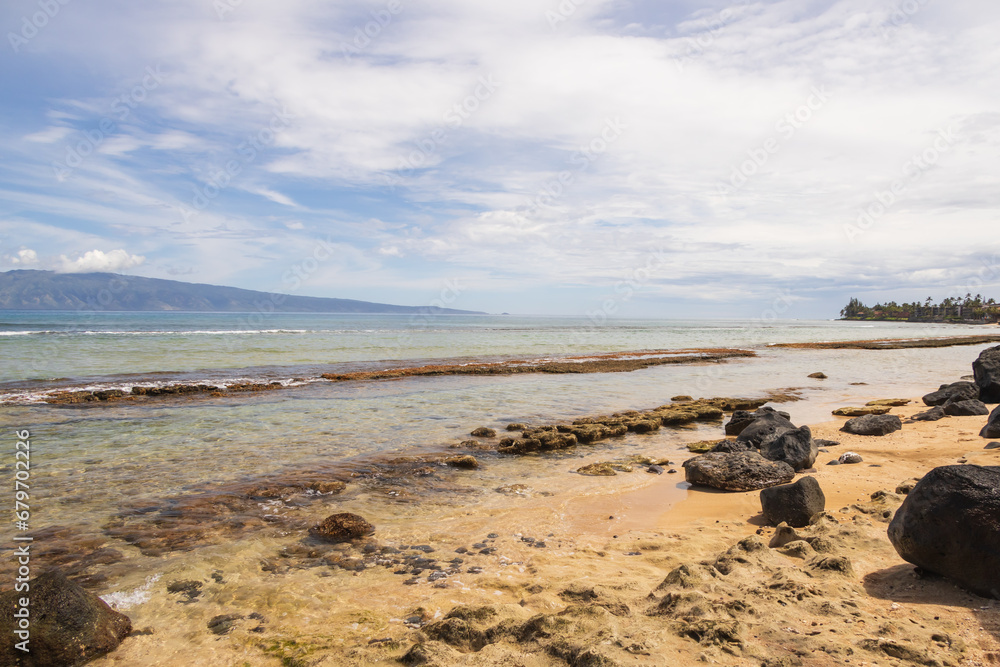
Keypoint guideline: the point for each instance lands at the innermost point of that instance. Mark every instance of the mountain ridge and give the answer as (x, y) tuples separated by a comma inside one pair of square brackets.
[(32, 289)]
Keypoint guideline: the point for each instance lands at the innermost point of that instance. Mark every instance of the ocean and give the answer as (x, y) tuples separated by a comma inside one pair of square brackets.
[(113, 476)]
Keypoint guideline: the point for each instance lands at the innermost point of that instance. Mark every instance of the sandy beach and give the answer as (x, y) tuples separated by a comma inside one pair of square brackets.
[(624, 575)]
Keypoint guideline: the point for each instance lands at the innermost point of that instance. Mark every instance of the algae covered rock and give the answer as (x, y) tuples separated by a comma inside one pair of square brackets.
[(342, 527)]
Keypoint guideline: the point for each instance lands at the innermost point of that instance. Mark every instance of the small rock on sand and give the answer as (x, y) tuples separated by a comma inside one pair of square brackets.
[(850, 457), (872, 425), (818, 375), (958, 391), (968, 408), (793, 504), (739, 471), (932, 415)]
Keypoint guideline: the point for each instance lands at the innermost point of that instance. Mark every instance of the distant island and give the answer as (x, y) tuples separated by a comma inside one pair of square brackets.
[(970, 310), (48, 290)]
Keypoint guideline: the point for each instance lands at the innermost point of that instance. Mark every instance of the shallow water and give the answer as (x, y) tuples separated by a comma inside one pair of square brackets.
[(110, 472)]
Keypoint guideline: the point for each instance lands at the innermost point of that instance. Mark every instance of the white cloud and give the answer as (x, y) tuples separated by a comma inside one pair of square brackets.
[(698, 96), (276, 197), (49, 135), (25, 256), (97, 261)]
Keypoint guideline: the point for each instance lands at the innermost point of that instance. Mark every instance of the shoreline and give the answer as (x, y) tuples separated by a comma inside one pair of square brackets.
[(585, 558)]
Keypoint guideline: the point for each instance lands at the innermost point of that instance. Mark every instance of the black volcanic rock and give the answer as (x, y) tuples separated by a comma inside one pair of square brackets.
[(794, 503), (992, 428), (967, 408), (738, 471), (795, 447), (743, 418), (932, 415), (730, 446), (959, 391), (765, 428), (47, 290), (872, 425), (950, 524), (986, 371), (68, 625)]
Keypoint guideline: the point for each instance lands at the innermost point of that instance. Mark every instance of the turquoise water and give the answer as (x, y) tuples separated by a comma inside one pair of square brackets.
[(44, 346)]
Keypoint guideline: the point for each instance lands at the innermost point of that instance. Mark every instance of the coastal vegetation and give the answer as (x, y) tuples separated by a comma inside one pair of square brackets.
[(968, 309)]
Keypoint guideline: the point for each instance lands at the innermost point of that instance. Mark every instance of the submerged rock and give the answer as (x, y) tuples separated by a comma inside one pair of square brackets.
[(873, 425), (483, 432), (342, 527), (68, 625), (467, 462), (818, 375), (597, 469), (950, 524), (739, 471), (986, 371), (793, 504)]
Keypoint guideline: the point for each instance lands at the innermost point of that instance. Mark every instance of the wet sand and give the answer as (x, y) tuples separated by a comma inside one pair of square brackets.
[(594, 594)]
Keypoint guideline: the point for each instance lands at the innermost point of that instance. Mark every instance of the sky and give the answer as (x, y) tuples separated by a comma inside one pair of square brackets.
[(561, 157)]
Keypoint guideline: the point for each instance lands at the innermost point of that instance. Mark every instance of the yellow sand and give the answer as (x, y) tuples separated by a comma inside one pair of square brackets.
[(601, 598)]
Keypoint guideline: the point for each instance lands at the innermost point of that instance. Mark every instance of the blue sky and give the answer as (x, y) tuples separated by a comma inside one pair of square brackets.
[(552, 157)]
